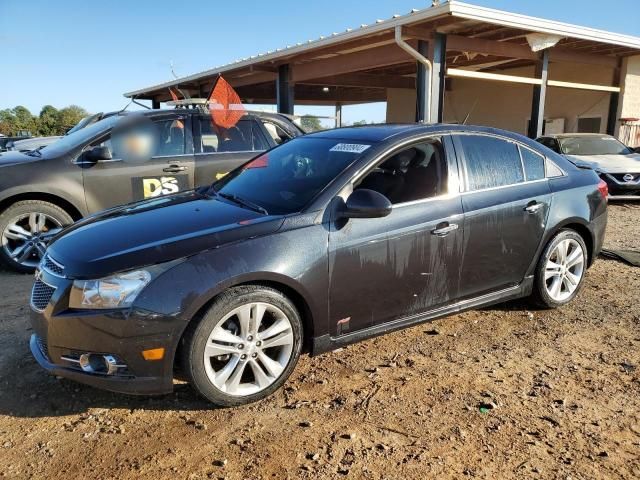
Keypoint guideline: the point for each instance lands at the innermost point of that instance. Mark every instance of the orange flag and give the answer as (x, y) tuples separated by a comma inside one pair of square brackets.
[(174, 97), (225, 105)]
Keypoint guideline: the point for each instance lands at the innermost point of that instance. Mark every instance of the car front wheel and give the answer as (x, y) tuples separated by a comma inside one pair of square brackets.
[(26, 227), (561, 270), (244, 347)]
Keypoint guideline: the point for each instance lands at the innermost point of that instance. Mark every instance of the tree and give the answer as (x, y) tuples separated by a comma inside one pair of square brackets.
[(359, 122), (69, 116), (7, 122), (24, 120), (310, 123), (48, 121)]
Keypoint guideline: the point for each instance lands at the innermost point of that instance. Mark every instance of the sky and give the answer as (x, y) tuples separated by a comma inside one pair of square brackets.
[(89, 53)]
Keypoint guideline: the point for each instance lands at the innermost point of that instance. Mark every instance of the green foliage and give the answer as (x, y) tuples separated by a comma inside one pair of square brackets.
[(51, 121), (310, 123), (359, 122)]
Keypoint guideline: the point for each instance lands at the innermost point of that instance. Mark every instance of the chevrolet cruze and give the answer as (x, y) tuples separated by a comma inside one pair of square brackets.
[(325, 240)]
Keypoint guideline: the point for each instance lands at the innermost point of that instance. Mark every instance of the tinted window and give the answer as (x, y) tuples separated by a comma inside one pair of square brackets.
[(593, 145), (549, 143), (276, 132), (244, 137), (286, 178), (491, 162), (533, 164), (413, 174), (168, 139)]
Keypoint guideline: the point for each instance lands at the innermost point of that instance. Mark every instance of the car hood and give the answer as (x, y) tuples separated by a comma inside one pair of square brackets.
[(14, 157), (154, 231), (609, 163)]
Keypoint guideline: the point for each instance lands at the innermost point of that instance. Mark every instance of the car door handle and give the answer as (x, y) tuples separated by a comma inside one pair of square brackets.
[(443, 229), (533, 207), (174, 169)]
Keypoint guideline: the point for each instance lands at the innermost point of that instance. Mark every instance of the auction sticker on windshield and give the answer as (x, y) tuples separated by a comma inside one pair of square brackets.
[(349, 147)]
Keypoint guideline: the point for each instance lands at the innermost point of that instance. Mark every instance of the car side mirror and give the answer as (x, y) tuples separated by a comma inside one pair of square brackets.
[(366, 203), (97, 153)]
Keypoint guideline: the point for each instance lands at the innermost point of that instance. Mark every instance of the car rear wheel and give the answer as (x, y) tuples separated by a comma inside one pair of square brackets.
[(244, 347), (561, 270), (26, 227)]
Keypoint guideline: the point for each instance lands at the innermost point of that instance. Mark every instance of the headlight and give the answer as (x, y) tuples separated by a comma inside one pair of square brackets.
[(116, 291)]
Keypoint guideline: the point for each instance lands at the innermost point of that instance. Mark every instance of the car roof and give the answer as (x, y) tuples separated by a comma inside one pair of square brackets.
[(570, 135), (398, 131)]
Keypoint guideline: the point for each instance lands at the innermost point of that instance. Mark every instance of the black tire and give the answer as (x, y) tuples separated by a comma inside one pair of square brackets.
[(26, 207), (193, 342), (540, 295)]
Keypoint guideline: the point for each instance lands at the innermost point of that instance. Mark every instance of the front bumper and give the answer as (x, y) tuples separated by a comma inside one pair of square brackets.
[(620, 189), (120, 384), (63, 334)]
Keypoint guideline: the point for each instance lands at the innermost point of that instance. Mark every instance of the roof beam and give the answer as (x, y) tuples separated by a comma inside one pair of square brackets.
[(352, 62), (511, 50), (364, 80)]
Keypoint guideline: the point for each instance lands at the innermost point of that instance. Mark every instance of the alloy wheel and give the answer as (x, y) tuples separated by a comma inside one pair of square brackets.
[(26, 236), (564, 269), (248, 349)]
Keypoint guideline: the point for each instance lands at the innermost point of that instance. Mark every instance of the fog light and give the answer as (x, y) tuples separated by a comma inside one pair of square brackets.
[(153, 354), (94, 363)]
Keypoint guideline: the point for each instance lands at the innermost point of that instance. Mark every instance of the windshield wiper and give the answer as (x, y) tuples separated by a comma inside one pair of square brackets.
[(243, 202)]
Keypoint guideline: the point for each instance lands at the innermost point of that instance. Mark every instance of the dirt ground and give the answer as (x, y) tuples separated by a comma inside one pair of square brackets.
[(504, 392)]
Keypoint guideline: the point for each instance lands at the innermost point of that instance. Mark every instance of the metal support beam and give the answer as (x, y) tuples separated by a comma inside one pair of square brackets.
[(439, 61), (614, 101), (421, 90), (338, 115), (539, 96), (155, 104), (284, 90)]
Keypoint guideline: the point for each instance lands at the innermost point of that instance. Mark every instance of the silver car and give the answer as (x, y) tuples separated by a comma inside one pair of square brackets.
[(616, 163)]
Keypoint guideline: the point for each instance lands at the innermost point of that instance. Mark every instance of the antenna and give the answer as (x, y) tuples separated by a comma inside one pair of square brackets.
[(473, 107)]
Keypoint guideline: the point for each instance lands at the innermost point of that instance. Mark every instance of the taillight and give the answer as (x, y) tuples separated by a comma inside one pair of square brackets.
[(603, 188)]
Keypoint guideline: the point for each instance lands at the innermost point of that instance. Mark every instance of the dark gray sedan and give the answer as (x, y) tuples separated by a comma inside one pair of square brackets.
[(325, 240)]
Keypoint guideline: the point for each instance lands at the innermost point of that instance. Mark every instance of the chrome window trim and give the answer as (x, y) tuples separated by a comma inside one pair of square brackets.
[(112, 160), (227, 153), (511, 185)]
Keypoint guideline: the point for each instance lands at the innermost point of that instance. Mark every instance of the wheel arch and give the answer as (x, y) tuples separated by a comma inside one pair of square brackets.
[(580, 227), (57, 200), (284, 285)]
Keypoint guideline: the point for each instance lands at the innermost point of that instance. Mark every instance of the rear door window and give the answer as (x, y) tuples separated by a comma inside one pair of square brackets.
[(490, 162), (245, 136)]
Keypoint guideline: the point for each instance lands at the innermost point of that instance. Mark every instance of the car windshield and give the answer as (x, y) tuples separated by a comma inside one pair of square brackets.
[(80, 137), (593, 145), (285, 179)]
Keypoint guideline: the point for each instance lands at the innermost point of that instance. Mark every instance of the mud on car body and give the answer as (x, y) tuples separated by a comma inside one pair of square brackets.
[(44, 189), (328, 239)]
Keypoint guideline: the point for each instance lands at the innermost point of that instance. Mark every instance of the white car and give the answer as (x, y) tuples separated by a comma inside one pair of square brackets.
[(617, 164)]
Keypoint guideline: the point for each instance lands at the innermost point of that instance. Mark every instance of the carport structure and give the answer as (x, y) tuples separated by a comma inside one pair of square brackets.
[(452, 62)]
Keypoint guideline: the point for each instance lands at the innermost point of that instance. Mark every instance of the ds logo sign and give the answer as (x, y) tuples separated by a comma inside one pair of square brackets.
[(152, 187)]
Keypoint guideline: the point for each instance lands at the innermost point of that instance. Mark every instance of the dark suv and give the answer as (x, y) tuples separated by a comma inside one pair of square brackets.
[(44, 189)]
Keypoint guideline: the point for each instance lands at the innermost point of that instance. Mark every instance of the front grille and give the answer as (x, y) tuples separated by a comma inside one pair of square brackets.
[(41, 295), (619, 177), (42, 345), (52, 266)]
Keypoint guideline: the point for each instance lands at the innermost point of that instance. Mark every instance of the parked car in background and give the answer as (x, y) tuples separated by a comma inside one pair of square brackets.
[(328, 239), (31, 143), (617, 164), (5, 141), (44, 189)]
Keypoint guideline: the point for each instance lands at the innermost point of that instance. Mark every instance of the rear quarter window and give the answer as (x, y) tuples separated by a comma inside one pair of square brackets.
[(491, 162), (533, 164)]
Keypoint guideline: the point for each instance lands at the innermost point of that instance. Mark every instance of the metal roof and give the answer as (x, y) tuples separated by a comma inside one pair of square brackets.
[(453, 8)]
